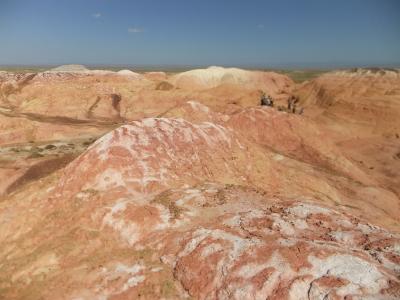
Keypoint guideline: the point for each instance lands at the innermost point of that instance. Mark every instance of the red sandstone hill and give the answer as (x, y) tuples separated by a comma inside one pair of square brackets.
[(209, 208), (196, 191)]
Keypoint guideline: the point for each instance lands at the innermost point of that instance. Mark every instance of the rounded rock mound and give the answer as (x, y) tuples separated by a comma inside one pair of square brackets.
[(149, 155), (128, 73), (214, 76), (70, 68)]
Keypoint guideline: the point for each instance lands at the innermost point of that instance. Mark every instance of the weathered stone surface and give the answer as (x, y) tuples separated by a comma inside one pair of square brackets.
[(210, 241), (223, 201)]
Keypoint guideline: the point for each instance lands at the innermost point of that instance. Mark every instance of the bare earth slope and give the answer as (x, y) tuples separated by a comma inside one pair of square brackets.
[(361, 109), (367, 102)]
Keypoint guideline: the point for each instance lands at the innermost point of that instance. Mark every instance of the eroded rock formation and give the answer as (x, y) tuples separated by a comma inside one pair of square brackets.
[(227, 200)]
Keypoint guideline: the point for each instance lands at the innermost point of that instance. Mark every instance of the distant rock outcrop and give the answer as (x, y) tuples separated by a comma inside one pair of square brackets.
[(156, 76), (351, 101), (128, 73), (369, 72), (214, 76), (70, 68)]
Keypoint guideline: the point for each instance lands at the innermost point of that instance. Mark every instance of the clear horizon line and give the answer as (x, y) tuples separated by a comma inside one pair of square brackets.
[(318, 65)]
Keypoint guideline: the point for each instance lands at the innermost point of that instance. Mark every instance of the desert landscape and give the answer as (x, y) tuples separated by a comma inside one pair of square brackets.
[(211, 183), (199, 150)]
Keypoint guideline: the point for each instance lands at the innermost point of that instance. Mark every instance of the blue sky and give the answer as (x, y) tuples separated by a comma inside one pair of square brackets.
[(296, 33)]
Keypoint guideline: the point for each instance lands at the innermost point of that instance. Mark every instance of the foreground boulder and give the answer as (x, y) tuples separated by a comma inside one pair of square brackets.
[(211, 241)]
